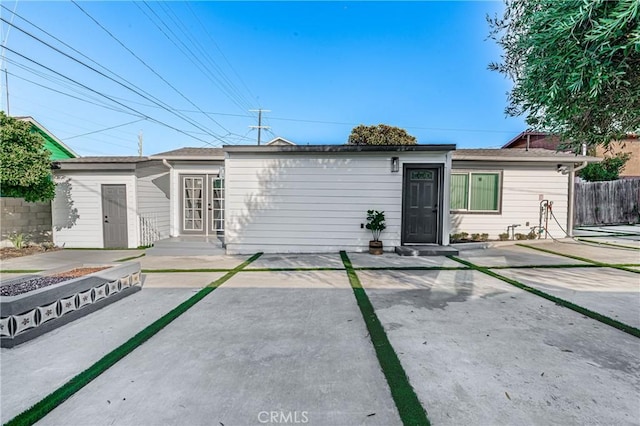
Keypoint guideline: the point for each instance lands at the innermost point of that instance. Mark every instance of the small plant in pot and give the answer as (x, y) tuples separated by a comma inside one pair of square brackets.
[(375, 223)]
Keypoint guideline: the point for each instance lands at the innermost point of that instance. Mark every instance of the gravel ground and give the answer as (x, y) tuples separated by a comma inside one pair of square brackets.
[(44, 281)]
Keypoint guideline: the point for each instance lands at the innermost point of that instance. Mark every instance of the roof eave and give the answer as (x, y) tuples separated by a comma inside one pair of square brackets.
[(336, 148)]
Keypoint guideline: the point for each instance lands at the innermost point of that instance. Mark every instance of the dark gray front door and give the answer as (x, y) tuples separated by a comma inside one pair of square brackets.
[(420, 205), (114, 216)]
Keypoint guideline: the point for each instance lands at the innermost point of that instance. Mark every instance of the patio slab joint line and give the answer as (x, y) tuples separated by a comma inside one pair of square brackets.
[(570, 305), (605, 243), (583, 259), (409, 407), (64, 392)]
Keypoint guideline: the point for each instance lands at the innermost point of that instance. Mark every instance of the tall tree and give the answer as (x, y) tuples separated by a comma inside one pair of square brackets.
[(26, 169), (575, 65), (381, 134)]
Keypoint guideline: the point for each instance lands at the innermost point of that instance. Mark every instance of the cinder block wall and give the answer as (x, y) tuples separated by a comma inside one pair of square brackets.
[(31, 219)]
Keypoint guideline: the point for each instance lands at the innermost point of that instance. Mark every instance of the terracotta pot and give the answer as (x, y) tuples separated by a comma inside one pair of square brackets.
[(375, 247)]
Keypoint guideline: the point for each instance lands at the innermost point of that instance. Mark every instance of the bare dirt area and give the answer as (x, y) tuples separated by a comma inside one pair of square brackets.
[(11, 252)]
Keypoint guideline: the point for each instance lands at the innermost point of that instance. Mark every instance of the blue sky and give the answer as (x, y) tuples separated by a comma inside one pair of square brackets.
[(193, 70)]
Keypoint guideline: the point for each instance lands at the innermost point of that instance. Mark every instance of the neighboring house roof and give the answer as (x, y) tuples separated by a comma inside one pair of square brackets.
[(57, 148), (517, 141), (279, 141), (520, 155), (105, 159), (189, 153), (100, 163)]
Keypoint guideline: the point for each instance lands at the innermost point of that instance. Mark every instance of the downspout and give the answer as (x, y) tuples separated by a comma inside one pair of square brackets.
[(572, 178), (171, 195), (528, 141)]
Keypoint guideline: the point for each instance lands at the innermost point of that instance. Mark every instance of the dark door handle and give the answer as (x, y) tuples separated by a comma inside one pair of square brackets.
[(105, 219)]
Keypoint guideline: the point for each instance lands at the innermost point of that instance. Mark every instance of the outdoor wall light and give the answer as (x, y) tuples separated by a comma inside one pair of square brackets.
[(395, 164)]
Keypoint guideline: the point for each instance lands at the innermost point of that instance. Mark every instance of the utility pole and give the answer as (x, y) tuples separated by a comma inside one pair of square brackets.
[(6, 86), (140, 144), (259, 126)]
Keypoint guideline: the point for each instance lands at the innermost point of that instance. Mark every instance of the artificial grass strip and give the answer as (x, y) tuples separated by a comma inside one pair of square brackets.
[(409, 406), (410, 268), (583, 259), (57, 397), (153, 271), (562, 266), (605, 243), (130, 258), (584, 311), (292, 269)]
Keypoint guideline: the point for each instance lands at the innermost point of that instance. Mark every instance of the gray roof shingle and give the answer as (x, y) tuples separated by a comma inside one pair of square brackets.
[(191, 153)]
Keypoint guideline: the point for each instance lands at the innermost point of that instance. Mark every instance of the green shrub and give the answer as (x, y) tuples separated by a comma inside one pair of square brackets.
[(18, 240), (520, 236), (504, 236)]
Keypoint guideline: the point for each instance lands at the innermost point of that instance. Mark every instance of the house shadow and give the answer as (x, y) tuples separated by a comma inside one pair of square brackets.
[(64, 214)]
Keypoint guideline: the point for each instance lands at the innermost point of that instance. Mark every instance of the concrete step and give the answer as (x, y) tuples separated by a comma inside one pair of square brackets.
[(195, 243), (187, 246), (426, 250), (184, 251)]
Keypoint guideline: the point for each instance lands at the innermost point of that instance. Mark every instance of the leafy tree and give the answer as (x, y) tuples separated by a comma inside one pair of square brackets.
[(26, 169), (608, 169), (575, 65), (380, 135)]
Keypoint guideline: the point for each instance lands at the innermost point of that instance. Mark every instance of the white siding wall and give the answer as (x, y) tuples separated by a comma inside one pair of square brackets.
[(522, 187), (77, 207), (280, 202), (154, 188)]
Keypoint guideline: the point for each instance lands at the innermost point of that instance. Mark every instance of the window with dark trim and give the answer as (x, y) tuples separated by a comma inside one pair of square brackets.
[(475, 191)]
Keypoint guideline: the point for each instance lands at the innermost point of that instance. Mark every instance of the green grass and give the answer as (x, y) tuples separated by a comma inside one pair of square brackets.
[(583, 259), (57, 397), (604, 243), (20, 271), (409, 407), (584, 311), (130, 258)]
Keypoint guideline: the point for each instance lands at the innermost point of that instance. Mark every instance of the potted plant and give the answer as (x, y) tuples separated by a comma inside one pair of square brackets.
[(375, 223)]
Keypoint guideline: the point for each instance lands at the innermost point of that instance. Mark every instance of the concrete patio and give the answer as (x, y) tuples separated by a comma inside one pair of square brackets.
[(476, 349)]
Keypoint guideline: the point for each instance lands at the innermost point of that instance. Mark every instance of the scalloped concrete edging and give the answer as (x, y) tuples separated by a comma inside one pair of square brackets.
[(32, 314)]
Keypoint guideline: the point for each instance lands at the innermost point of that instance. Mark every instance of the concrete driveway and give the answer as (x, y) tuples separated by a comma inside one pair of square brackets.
[(293, 343)]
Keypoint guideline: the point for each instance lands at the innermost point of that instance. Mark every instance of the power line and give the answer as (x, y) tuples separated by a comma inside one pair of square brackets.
[(145, 64), (194, 59), (233, 89), (104, 130), (106, 96), (102, 105), (220, 50), (159, 103), (153, 71), (163, 106)]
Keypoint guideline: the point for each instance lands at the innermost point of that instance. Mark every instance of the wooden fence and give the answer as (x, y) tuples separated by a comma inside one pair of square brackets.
[(607, 203)]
